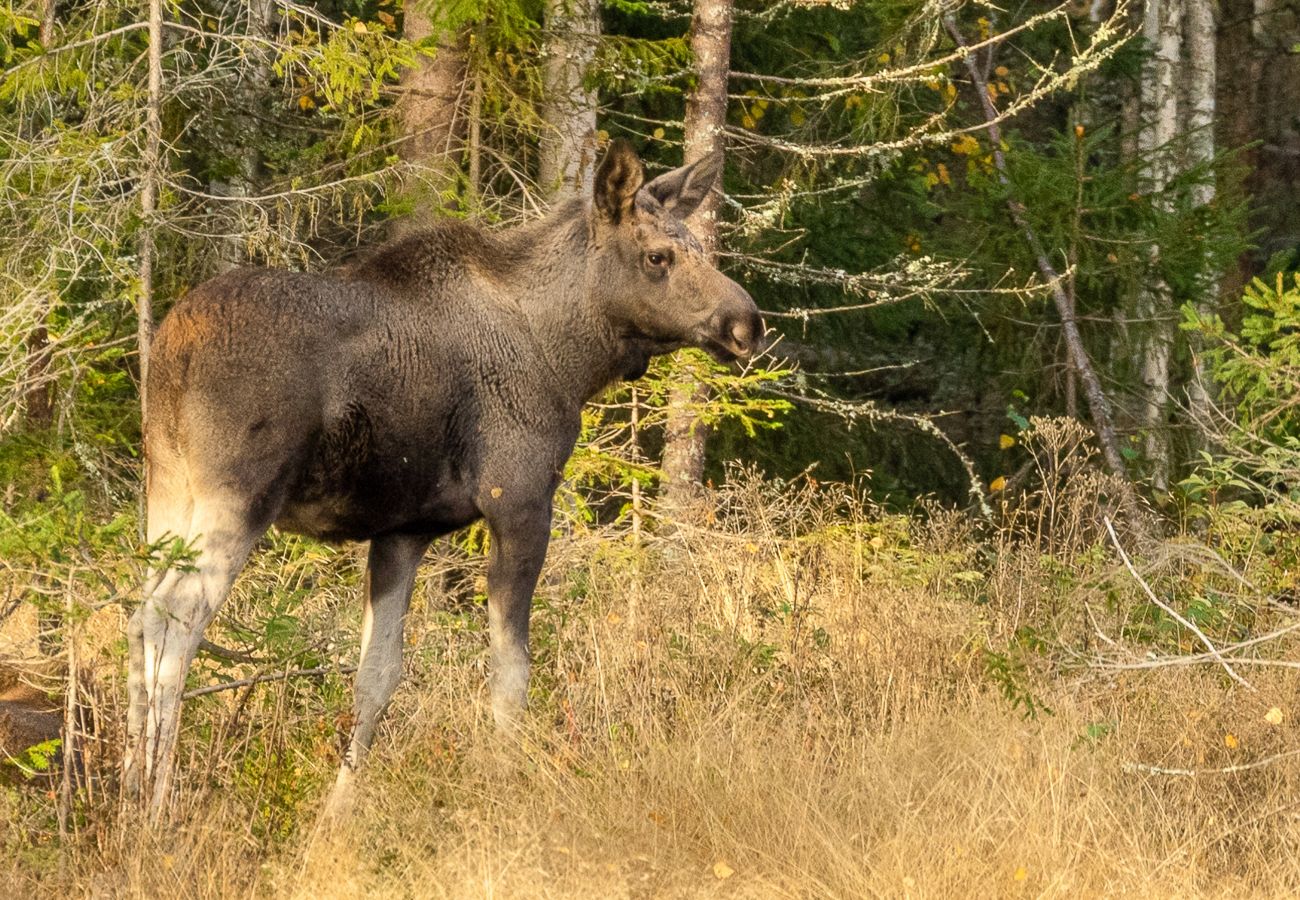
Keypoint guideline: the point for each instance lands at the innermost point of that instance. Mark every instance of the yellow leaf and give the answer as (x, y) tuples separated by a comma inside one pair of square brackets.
[(1274, 716), (659, 134), (1006, 441), (613, 618), (883, 58), (943, 174), (1230, 741), (1021, 874), (359, 27), (1002, 71), (721, 870), (997, 484), (305, 102)]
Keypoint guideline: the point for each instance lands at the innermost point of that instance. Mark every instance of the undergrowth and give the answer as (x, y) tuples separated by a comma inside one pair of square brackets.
[(800, 694)]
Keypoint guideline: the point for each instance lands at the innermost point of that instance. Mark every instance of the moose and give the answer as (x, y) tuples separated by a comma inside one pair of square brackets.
[(433, 383)]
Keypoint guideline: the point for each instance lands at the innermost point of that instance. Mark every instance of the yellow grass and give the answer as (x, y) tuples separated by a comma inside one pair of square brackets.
[(793, 700)]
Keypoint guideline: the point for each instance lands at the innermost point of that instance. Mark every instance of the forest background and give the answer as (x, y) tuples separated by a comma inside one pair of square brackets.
[(1013, 494)]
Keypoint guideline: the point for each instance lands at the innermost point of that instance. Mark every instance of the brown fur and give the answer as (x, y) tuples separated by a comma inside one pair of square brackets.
[(438, 381)]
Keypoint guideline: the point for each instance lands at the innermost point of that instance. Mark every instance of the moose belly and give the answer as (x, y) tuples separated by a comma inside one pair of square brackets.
[(381, 494), (366, 477), (362, 516)]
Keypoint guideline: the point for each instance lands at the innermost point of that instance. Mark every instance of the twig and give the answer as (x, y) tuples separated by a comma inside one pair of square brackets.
[(1224, 770), (230, 655), (274, 676), (1128, 564)]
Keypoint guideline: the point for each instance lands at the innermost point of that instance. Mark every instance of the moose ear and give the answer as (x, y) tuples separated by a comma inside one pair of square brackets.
[(619, 177), (681, 191)]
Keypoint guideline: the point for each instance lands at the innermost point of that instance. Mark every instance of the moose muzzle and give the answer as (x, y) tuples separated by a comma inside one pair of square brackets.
[(735, 330)]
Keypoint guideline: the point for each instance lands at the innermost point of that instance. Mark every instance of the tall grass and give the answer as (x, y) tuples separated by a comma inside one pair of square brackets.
[(804, 696)]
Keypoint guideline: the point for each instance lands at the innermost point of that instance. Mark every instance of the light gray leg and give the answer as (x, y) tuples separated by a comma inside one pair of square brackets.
[(137, 694), (390, 577), (170, 623)]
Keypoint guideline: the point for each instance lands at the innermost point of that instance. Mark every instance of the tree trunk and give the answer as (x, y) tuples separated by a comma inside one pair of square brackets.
[(1238, 84), (706, 116), (244, 139), (149, 198), (1162, 28), (568, 145), (430, 109), (1200, 109), (39, 399)]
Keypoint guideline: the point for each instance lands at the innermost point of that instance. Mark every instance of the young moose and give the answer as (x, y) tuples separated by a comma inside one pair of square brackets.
[(437, 382)]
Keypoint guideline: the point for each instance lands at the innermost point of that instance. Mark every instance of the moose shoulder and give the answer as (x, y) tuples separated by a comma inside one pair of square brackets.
[(437, 382)]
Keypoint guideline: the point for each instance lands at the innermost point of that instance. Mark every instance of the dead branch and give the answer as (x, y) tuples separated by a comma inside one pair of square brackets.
[(1185, 622), (272, 676), (1223, 770), (1098, 403)]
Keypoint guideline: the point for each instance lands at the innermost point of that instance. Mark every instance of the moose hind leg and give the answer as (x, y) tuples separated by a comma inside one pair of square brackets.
[(170, 626), (170, 510), (390, 577)]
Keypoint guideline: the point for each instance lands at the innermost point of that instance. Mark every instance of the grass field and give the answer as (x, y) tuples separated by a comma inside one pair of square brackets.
[(802, 696)]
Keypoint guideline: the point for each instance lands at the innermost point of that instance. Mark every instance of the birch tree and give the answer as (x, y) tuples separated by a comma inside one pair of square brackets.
[(568, 140), (1175, 136)]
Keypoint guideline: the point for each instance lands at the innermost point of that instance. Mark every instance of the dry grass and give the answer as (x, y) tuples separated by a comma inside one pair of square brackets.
[(793, 699)]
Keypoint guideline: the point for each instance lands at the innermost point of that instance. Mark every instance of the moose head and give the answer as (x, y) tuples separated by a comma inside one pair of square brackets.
[(652, 276)]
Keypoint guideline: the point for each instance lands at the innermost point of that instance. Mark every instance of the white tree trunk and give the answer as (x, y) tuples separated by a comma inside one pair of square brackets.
[(1162, 28), (1201, 86), (568, 145)]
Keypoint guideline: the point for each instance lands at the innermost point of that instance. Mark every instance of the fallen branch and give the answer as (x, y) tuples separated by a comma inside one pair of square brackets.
[(1224, 770), (275, 676), (1186, 623), (1098, 403)]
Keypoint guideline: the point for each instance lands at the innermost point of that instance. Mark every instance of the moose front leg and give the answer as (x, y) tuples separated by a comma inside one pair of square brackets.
[(519, 539)]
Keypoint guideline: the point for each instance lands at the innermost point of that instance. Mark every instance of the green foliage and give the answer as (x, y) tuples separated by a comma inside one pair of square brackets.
[(1259, 365), (611, 453), (37, 759)]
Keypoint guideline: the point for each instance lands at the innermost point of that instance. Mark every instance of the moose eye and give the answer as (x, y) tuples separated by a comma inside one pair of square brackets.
[(658, 260)]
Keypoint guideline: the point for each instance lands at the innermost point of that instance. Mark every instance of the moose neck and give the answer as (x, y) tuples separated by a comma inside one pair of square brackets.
[(550, 285)]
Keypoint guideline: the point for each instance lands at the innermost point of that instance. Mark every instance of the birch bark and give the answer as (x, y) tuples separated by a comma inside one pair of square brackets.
[(1201, 36), (1162, 27), (568, 145)]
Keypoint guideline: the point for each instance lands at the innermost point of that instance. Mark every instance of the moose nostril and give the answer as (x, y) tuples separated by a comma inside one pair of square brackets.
[(744, 337)]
